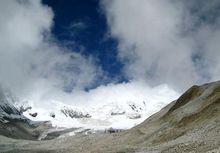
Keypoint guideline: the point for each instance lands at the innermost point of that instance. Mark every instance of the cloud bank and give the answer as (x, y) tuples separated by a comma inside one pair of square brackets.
[(160, 42), (45, 75), (168, 42)]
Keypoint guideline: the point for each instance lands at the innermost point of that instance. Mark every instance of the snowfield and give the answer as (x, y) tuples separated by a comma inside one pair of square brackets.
[(118, 112), (123, 114)]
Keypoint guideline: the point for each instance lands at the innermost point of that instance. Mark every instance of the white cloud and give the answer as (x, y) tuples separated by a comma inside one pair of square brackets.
[(157, 38), (29, 57), (37, 69), (135, 91)]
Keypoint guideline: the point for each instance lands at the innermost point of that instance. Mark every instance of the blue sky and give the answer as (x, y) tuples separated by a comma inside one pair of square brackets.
[(81, 26), (145, 48)]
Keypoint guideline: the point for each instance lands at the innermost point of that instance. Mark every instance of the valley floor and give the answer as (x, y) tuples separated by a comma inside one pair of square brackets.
[(110, 143)]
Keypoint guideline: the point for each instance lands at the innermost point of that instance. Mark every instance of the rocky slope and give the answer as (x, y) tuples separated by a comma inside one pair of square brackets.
[(14, 124), (189, 124)]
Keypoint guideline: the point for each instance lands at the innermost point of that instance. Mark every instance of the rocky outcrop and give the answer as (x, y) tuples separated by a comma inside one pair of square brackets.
[(74, 113), (14, 124), (33, 114), (191, 123), (7, 111), (117, 113), (52, 115)]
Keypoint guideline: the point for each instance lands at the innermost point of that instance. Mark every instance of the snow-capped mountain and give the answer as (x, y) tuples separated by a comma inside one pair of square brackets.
[(8, 112), (100, 117), (14, 124), (49, 118), (121, 114)]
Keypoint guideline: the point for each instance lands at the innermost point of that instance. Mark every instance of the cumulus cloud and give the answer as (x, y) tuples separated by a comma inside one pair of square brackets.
[(43, 73), (30, 58), (169, 42)]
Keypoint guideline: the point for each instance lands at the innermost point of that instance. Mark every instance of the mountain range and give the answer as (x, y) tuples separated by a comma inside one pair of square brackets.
[(189, 124)]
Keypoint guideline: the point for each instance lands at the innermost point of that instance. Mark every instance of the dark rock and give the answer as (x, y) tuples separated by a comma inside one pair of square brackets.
[(117, 113), (33, 114), (52, 115), (112, 130), (74, 113)]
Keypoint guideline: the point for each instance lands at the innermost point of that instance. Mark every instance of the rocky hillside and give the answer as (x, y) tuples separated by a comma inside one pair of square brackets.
[(14, 124), (189, 124)]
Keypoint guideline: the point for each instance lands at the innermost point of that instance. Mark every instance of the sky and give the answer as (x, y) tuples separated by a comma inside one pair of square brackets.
[(82, 27), (58, 49)]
